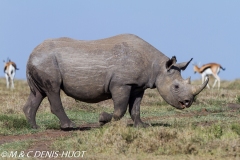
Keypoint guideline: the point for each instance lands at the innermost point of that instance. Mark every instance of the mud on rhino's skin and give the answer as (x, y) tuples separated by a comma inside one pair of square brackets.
[(119, 67)]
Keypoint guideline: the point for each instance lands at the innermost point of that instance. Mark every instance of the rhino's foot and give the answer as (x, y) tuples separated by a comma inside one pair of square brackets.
[(68, 126), (140, 124), (32, 124), (104, 118), (35, 126)]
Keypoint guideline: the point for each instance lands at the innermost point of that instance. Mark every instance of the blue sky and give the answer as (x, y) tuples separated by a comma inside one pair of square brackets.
[(207, 31)]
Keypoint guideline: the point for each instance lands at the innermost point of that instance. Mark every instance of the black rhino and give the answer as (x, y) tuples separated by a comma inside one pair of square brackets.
[(120, 67)]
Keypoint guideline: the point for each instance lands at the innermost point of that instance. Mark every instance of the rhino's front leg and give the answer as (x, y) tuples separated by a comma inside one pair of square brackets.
[(134, 108), (120, 96)]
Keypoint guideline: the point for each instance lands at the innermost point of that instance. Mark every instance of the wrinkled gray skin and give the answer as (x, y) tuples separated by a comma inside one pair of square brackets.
[(120, 67)]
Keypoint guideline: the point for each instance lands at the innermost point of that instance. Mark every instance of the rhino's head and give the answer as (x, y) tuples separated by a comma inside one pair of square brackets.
[(173, 88)]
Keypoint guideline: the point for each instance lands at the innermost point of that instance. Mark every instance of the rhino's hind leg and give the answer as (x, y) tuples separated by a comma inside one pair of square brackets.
[(134, 108), (57, 109), (105, 118), (31, 107)]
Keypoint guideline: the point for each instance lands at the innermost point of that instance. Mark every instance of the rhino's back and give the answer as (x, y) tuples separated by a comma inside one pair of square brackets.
[(126, 51)]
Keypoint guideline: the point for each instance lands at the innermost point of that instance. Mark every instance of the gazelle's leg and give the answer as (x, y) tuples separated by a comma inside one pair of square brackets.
[(12, 78), (7, 80), (12, 83), (215, 81), (218, 82), (217, 78)]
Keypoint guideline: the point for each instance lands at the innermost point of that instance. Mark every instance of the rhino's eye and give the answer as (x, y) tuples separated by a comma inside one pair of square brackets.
[(176, 86)]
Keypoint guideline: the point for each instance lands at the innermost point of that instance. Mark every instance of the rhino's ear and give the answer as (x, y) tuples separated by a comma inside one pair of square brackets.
[(183, 65), (171, 62)]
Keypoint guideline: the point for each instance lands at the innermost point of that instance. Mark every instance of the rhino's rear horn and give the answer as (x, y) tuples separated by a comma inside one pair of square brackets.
[(198, 89), (188, 80)]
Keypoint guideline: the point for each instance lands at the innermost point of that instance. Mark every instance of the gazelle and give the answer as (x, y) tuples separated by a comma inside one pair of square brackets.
[(10, 70), (209, 69)]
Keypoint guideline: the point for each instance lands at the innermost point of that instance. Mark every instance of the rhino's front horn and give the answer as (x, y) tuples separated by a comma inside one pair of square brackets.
[(197, 90)]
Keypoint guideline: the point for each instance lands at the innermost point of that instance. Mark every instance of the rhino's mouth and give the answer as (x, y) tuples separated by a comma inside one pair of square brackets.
[(184, 104)]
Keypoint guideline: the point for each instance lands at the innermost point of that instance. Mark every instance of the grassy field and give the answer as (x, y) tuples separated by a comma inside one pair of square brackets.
[(209, 129)]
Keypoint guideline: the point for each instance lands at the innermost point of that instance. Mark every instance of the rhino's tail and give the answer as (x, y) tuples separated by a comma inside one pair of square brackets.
[(33, 84)]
